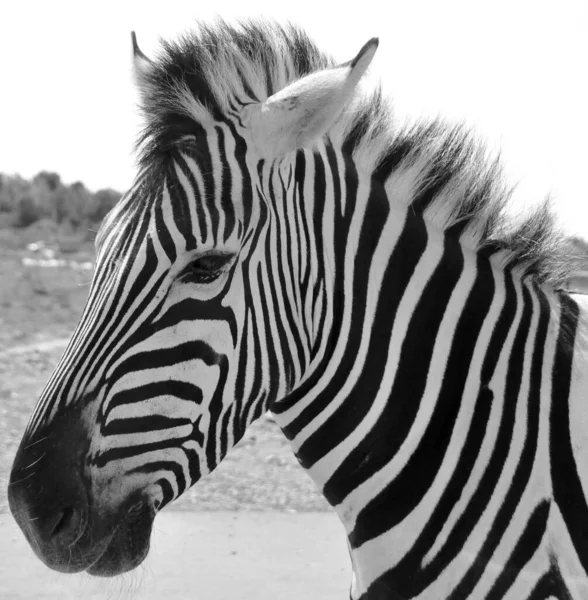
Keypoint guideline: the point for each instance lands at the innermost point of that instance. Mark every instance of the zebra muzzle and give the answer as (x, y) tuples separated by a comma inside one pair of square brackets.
[(68, 529)]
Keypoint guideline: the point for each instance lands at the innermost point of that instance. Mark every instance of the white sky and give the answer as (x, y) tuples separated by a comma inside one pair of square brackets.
[(515, 69)]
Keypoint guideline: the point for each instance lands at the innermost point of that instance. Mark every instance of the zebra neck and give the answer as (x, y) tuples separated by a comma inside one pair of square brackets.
[(434, 393)]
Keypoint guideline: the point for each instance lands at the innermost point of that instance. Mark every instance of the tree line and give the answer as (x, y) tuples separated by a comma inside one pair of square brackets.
[(24, 202)]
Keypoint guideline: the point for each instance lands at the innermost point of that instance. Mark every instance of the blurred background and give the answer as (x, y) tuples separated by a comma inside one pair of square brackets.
[(515, 70)]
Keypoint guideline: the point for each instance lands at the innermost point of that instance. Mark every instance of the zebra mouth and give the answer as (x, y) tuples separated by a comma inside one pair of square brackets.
[(129, 544)]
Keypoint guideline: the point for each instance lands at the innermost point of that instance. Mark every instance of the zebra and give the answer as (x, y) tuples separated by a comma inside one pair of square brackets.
[(287, 246)]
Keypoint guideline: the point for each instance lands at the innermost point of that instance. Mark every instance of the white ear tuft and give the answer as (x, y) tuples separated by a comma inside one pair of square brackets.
[(141, 64), (305, 110)]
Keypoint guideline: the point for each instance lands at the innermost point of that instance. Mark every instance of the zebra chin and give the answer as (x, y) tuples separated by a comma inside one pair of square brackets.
[(128, 546), (81, 539)]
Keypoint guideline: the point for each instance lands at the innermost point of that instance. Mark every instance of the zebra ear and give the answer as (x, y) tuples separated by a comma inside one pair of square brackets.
[(141, 64), (303, 112)]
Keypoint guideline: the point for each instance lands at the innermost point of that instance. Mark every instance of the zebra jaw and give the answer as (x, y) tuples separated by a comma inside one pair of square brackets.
[(129, 544)]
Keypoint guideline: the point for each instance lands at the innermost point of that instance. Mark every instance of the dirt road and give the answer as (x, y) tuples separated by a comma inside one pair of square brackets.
[(201, 556)]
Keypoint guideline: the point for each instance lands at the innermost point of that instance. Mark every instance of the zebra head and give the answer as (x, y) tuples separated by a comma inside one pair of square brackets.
[(205, 303)]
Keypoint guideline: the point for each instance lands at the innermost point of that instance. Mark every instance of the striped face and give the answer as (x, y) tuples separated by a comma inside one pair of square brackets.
[(173, 357)]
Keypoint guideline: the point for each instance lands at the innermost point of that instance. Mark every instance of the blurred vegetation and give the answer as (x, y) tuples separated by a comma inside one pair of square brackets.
[(46, 198), (579, 252)]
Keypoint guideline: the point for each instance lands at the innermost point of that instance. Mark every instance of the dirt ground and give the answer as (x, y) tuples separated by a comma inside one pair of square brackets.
[(201, 556)]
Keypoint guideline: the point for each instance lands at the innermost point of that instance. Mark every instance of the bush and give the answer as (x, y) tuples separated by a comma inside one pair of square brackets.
[(12, 189), (101, 205), (26, 213), (46, 196)]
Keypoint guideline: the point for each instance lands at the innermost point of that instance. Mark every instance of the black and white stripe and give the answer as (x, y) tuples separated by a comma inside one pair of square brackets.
[(415, 351)]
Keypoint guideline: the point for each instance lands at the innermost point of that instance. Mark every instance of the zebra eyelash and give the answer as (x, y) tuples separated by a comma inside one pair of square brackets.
[(206, 269)]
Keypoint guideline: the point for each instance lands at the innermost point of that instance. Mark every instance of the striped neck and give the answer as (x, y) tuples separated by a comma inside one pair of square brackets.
[(431, 386)]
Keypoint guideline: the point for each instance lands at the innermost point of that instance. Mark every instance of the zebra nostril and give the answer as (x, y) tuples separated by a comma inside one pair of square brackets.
[(66, 526)]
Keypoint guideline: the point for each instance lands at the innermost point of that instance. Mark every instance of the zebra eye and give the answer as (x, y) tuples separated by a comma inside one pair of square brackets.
[(205, 269)]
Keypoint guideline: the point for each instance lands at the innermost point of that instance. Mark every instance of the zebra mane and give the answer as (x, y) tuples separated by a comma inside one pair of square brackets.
[(440, 170)]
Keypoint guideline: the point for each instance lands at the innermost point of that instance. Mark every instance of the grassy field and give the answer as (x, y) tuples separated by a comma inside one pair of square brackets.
[(39, 307)]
